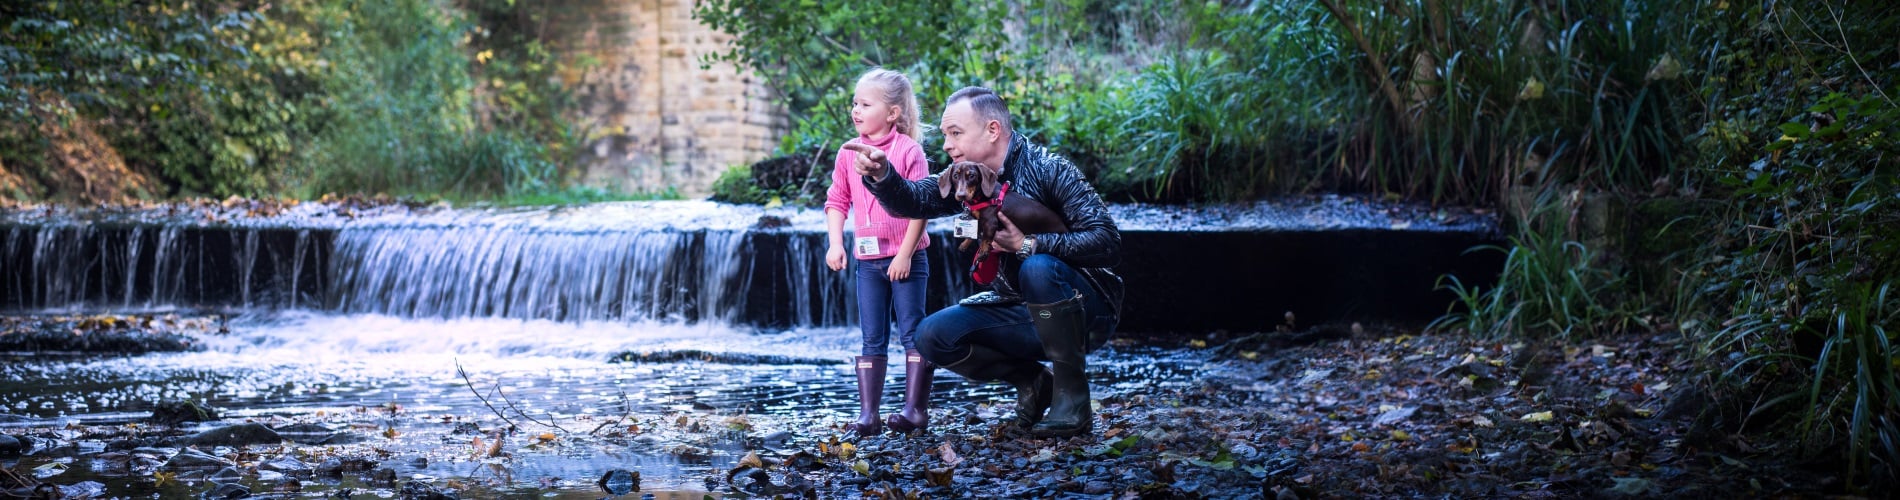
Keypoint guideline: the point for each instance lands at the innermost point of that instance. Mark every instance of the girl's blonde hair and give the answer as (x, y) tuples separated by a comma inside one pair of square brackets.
[(896, 89)]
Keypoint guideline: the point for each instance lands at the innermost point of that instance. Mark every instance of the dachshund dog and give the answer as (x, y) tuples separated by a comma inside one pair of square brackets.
[(975, 186)]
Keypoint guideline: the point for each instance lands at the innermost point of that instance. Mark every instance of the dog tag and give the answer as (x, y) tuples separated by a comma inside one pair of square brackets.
[(965, 227), (867, 246)]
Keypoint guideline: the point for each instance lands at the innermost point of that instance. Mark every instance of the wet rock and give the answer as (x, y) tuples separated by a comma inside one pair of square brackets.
[(235, 435), (289, 466), (345, 438), (619, 482), (226, 475), (414, 490), (130, 444), (191, 458), (178, 412), (752, 480), (798, 486), (335, 467), (306, 433), (11, 446), (227, 491), (383, 475)]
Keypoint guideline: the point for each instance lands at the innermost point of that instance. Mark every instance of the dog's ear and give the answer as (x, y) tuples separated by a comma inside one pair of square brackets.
[(945, 180), (989, 181)]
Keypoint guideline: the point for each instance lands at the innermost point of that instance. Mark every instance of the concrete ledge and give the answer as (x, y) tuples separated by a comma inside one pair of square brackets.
[(1234, 269)]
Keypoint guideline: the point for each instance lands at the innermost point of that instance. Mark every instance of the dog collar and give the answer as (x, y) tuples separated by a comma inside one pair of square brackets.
[(997, 201)]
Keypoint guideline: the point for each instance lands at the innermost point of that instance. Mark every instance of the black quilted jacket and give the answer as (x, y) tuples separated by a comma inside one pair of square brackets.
[(1093, 243)]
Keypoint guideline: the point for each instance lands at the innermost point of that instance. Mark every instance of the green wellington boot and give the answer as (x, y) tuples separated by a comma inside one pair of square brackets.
[(1064, 334)]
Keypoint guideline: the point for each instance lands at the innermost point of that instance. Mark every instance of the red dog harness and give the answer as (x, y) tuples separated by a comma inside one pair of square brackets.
[(983, 268)]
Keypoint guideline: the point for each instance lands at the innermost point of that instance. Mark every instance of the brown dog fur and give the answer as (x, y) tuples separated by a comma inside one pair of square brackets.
[(972, 183)]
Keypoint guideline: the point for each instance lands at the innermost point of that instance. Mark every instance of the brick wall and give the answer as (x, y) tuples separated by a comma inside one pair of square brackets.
[(657, 118)]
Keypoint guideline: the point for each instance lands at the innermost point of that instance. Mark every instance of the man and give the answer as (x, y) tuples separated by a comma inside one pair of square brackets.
[(1054, 299)]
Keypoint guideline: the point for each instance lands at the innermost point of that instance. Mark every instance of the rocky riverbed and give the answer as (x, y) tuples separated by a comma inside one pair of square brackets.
[(1343, 411)]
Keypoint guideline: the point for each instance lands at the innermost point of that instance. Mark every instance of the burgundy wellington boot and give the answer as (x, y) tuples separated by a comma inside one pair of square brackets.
[(916, 413), (870, 395)]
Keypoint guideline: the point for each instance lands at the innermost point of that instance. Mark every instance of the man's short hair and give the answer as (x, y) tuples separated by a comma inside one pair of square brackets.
[(987, 105)]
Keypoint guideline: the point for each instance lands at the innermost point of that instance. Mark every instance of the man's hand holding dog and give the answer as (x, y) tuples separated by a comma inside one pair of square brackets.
[(1007, 238), (871, 161)]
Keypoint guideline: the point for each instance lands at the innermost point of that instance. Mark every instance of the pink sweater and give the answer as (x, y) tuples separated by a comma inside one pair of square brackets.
[(847, 195)]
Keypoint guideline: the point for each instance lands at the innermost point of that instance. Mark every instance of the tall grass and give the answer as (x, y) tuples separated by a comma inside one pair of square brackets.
[(1552, 285)]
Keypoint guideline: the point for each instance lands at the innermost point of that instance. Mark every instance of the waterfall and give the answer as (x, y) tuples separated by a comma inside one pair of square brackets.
[(71, 267), (530, 273)]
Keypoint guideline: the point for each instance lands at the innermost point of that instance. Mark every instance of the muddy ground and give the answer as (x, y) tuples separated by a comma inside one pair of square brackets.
[(1340, 412)]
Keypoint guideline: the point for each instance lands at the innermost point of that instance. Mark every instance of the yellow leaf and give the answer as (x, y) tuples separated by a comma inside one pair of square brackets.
[(1399, 435), (847, 450), (1542, 416), (863, 468), (391, 433), (1533, 90), (752, 460), (1197, 344), (546, 436)]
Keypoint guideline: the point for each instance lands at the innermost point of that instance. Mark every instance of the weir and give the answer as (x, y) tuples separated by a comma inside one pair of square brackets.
[(1188, 269)]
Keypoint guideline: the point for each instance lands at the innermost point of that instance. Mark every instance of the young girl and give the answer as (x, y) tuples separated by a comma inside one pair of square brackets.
[(891, 267)]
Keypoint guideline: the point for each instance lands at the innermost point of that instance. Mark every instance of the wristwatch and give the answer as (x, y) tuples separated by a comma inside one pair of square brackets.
[(1027, 249)]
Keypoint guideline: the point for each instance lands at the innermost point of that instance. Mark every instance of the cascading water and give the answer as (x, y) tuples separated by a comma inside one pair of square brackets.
[(530, 274)]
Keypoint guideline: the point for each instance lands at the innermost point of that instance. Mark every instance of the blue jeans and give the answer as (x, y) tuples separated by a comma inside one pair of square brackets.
[(946, 336), (879, 298)]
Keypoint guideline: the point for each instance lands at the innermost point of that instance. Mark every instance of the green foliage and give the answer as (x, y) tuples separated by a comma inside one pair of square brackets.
[(1800, 266), (179, 83), (814, 51), (1552, 284), (799, 180), (300, 96)]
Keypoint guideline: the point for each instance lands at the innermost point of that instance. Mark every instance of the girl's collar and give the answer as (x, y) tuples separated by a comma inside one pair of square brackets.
[(882, 142)]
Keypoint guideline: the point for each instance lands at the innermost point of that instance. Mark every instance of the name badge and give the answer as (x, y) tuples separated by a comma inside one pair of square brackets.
[(965, 227), (867, 246)]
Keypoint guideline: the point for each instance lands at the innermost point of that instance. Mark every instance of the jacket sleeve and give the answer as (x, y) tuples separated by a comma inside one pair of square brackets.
[(1093, 239), (909, 199)]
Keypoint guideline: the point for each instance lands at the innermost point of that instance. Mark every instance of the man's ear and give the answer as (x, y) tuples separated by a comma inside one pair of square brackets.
[(995, 129)]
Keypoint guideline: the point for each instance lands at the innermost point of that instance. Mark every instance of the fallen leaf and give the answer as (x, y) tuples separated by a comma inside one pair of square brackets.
[(949, 454), (939, 477), (1480, 421), (1399, 435), (1394, 416), (1542, 416), (1630, 486), (751, 460)]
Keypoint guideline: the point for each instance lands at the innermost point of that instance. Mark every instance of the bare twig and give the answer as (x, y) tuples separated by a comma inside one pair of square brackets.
[(478, 394), (1848, 48), (511, 406)]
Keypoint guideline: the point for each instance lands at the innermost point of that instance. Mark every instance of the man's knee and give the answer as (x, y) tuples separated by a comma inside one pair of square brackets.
[(1042, 278), (936, 338)]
